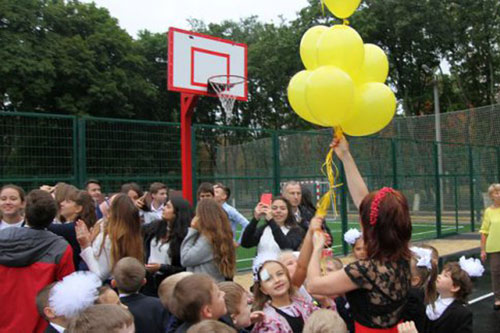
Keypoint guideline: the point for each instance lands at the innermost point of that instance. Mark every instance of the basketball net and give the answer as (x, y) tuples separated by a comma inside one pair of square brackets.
[(223, 86)]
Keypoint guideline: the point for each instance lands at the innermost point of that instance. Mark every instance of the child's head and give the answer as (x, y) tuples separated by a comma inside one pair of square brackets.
[(42, 303), (108, 296), (205, 191), (325, 321), (236, 298), (211, 326), (424, 271), (454, 281), (66, 299), (129, 275), (289, 259), (359, 249), (355, 238), (103, 318), (167, 286), (197, 297), (272, 280), (40, 209), (330, 264)]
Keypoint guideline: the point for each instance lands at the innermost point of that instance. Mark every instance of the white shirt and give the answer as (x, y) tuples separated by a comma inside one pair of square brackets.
[(58, 328), (159, 253), (267, 244), (440, 306), (154, 214), (5, 225), (98, 262)]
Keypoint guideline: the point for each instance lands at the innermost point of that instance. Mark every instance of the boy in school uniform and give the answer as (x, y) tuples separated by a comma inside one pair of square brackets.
[(149, 314), (197, 298), (30, 259)]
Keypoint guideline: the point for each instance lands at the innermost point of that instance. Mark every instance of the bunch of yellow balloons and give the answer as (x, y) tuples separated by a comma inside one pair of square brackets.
[(343, 83)]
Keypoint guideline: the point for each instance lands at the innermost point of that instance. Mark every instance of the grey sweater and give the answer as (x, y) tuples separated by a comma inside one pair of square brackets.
[(197, 255)]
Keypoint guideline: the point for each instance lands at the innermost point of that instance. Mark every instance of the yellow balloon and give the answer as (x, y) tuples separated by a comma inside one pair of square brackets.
[(341, 46), (309, 46), (297, 97), (375, 66), (374, 109), (342, 8), (329, 94)]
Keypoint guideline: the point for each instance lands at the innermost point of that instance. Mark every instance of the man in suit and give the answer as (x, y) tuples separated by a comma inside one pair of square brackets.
[(149, 314)]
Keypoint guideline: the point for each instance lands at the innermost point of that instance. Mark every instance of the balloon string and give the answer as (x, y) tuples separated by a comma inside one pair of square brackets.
[(330, 170), (345, 22), (322, 7)]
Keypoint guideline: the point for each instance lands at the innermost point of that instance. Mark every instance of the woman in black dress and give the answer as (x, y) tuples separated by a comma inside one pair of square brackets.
[(376, 287)]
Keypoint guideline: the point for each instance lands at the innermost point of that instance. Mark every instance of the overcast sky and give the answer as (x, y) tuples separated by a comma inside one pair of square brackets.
[(159, 15)]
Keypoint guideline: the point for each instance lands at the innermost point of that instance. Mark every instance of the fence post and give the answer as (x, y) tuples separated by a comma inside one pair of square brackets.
[(82, 152), (76, 179), (471, 188), (498, 164), (276, 163), (394, 164), (194, 154), (343, 208), (438, 190)]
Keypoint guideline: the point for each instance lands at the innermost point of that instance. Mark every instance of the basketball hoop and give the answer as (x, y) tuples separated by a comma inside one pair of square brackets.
[(223, 86)]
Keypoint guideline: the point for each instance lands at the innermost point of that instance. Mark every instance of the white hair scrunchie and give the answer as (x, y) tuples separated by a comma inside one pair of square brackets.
[(74, 293), (471, 266), (352, 235), (424, 257)]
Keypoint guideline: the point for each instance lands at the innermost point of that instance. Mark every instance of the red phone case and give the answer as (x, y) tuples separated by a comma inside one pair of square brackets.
[(266, 198)]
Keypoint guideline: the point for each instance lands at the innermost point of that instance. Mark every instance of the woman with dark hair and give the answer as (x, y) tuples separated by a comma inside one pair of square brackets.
[(162, 242), (376, 287), (76, 205), (280, 231)]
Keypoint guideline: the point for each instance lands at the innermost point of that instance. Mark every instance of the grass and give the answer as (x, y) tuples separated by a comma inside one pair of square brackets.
[(421, 231)]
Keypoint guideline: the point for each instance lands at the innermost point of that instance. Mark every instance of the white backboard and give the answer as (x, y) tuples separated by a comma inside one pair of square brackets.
[(195, 57)]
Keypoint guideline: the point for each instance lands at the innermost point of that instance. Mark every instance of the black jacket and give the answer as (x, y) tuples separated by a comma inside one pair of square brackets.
[(306, 216), (291, 241), (67, 231), (415, 308), (149, 314), (457, 318)]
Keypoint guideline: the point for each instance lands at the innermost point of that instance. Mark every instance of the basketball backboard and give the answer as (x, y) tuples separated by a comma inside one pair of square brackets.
[(193, 58)]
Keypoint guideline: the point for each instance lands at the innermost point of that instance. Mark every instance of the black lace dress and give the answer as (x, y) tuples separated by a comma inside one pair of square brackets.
[(382, 293)]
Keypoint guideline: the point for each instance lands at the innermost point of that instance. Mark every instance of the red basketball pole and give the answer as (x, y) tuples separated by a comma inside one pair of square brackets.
[(188, 102)]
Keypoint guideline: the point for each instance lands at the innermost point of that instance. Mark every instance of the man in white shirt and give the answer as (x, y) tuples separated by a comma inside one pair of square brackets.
[(158, 193)]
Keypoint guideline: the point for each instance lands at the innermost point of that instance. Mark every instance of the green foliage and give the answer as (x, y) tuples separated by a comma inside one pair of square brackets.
[(73, 58)]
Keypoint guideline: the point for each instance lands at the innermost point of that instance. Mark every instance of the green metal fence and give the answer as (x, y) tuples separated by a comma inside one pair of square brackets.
[(446, 194)]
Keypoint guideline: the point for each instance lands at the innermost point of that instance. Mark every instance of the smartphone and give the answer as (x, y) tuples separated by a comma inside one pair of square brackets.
[(266, 198)]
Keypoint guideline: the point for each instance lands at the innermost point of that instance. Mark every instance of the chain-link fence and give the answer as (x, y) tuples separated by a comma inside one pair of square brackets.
[(444, 183)]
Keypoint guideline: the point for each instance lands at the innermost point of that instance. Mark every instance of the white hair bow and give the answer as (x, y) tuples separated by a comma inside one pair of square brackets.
[(424, 257), (471, 266), (352, 235)]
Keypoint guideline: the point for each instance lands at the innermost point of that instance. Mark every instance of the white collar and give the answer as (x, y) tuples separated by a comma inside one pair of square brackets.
[(4, 224), (159, 209), (58, 328), (125, 294), (440, 306)]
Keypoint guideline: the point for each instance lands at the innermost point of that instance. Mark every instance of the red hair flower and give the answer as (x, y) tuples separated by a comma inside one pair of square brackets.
[(376, 203)]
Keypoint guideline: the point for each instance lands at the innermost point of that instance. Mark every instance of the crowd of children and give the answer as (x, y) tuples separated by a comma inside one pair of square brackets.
[(78, 261)]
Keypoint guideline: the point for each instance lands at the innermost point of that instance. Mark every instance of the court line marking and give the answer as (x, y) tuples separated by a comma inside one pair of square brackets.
[(480, 298)]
